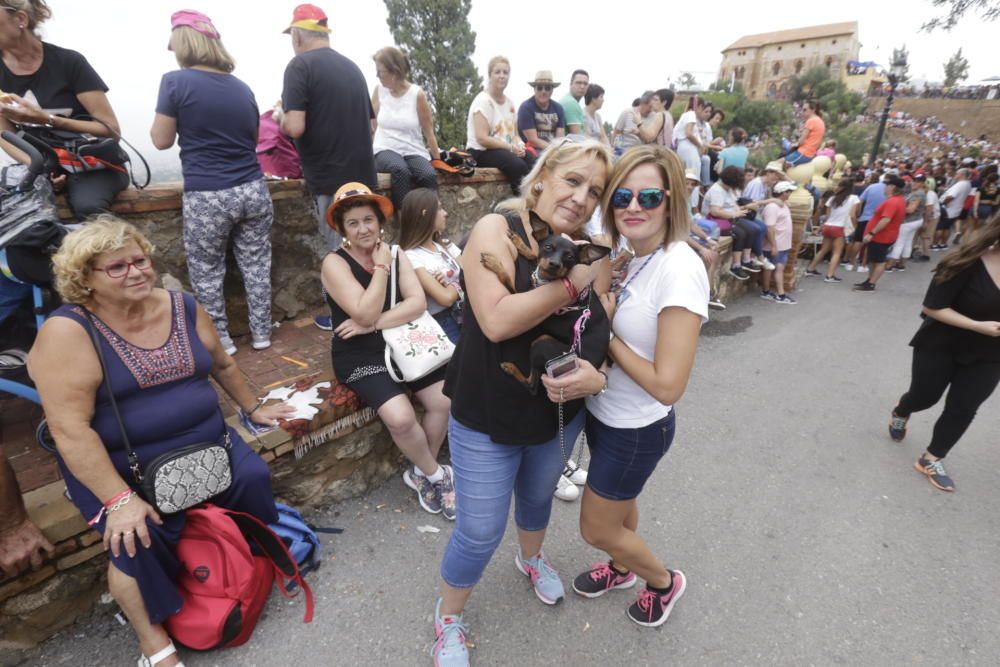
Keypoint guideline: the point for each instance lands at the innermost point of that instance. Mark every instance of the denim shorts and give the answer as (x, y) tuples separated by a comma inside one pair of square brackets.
[(622, 459), (796, 158), (779, 258)]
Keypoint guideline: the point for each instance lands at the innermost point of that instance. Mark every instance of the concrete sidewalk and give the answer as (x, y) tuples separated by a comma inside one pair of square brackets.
[(806, 535)]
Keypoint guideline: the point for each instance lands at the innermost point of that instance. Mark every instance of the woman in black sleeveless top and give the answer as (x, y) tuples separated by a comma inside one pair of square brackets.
[(356, 282), (503, 441)]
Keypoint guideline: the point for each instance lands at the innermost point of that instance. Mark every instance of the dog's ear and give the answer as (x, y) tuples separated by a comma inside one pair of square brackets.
[(591, 252), (539, 228)]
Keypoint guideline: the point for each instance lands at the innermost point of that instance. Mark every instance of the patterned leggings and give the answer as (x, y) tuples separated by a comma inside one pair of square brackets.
[(210, 218)]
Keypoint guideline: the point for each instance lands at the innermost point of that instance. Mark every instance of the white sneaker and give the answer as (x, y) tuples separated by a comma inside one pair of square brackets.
[(567, 490), (849, 267), (575, 473), (228, 345), (768, 265), (261, 343), (862, 269)]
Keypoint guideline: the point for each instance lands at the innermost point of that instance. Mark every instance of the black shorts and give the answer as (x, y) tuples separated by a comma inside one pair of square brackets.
[(945, 223), (877, 252), (859, 232), (377, 389)]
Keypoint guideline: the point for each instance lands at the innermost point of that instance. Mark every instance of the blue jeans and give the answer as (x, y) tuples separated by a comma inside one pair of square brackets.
[(487, 474), (331, 237), (760, 231), (796, 158), (448, 323)]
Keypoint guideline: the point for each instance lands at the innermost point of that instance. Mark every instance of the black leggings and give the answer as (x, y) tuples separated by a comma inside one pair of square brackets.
[(94, 192), (933, 371), (743, 233), (513, 167)]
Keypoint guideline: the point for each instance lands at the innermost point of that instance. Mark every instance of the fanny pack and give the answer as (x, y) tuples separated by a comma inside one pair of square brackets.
[(178, 479)]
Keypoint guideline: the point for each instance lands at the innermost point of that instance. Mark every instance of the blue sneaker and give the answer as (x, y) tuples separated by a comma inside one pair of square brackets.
[(323, 322), (544, 579), (767, 295), (897, 427), (449, 650)]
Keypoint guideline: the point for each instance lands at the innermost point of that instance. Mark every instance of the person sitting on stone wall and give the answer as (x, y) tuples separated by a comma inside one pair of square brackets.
[(404, 121), (160, 348), (434, 258), (356, 280), (540, 119), (492, 128)]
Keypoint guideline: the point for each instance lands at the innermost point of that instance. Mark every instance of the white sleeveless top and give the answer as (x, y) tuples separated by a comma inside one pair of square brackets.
[(398, 124)]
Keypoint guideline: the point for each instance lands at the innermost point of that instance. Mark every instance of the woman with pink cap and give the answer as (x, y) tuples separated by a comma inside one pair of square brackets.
[(214, 117)]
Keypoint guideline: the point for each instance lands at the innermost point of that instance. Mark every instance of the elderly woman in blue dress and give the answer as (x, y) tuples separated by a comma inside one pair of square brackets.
[(160, 348)]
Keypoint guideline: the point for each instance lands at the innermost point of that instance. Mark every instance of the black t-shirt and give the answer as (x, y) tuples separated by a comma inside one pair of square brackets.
[(336, 147), (973, 294), (62, 75), (484, 397)]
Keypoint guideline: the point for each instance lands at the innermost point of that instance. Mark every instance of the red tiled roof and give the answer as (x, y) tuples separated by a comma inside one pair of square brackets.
[(794, 35)]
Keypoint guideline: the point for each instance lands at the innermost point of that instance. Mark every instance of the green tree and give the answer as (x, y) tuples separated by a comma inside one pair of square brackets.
[(956, 69), (439, 41), (687, 81), (988, 10)]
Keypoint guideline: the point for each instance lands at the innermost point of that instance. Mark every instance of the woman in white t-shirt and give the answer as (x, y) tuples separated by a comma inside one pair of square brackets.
[(492, 128), (841, 219), (661, 305), (404, 122), (687, 139), (422, 221)]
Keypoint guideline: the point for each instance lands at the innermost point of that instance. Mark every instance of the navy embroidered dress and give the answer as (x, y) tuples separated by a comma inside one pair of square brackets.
[(166, 402)]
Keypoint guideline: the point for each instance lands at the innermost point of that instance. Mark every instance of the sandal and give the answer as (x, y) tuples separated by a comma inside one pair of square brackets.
[(159, 656)]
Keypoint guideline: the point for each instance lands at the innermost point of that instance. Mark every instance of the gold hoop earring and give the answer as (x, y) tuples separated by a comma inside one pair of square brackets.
[(346, 244)]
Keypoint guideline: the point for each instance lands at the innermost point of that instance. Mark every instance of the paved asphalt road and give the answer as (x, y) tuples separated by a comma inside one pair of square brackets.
[(806, 535)]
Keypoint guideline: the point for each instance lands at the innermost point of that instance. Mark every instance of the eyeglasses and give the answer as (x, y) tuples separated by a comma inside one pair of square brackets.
[(543, 87), (121, 269), (649, 198)]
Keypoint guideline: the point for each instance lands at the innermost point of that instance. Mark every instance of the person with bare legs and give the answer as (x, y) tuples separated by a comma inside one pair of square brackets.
[(842, 217), (656, 319)]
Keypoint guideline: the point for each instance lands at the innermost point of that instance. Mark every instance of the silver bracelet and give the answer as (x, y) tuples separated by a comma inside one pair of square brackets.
[(121, 503)]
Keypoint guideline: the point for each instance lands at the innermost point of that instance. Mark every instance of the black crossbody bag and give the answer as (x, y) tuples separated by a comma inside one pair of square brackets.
[(179, 479)]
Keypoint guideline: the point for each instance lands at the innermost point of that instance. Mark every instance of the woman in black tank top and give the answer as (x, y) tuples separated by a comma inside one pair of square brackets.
[(505, 442), (356, 283)]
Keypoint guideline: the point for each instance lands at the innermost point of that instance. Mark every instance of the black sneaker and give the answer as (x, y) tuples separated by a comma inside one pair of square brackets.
[(784, 299), (864, 287), (923, 258), (738, 273), (750, 267), (935, 473), (652, 609), (833, 279), (812, 273), (900, 268), (897, 427), (600, 579)]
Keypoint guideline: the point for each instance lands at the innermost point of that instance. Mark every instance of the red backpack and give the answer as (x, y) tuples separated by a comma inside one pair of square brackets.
[(224, 585)]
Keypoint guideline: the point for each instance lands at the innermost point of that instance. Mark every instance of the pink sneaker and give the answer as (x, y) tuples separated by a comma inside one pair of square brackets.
[(600, 579), (652, 609)]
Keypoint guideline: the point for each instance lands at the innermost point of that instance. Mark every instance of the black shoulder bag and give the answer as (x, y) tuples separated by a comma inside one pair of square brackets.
[(176, 480)]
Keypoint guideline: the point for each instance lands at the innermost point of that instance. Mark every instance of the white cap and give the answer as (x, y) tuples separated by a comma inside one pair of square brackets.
[(784, 186), (690, 175)]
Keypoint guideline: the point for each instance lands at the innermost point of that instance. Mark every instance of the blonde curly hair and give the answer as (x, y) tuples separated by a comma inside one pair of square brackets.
[(72, 264)]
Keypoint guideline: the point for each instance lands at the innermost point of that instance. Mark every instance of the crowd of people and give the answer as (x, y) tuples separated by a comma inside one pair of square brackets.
[(659, 194)]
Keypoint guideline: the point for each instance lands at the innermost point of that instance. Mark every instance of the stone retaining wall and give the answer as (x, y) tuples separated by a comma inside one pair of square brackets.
[(37, 604)]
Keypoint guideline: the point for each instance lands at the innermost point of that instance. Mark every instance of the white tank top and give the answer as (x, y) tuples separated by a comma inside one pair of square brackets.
[(398, 124)]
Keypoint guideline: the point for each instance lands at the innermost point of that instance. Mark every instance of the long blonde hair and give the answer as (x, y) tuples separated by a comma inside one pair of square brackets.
[(671, 171)]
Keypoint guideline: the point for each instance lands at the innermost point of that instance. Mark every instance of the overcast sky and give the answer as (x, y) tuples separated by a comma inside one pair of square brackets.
[(627, 47)]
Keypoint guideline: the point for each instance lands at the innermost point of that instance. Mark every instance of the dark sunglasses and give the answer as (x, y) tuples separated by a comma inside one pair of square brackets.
[(649, 198), (542, 87)]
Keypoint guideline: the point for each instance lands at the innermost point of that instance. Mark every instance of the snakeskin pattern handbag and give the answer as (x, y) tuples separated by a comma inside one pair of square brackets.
[(179, 479)]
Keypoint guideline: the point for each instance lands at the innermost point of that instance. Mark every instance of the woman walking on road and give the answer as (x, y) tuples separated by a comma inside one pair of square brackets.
[(630, 425), (956, 348)]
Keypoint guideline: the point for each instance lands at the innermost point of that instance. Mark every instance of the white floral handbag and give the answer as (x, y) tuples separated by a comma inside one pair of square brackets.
[(415, 348)]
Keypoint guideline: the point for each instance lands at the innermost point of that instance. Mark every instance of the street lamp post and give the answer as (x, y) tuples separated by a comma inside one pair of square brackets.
[(896, 71)]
